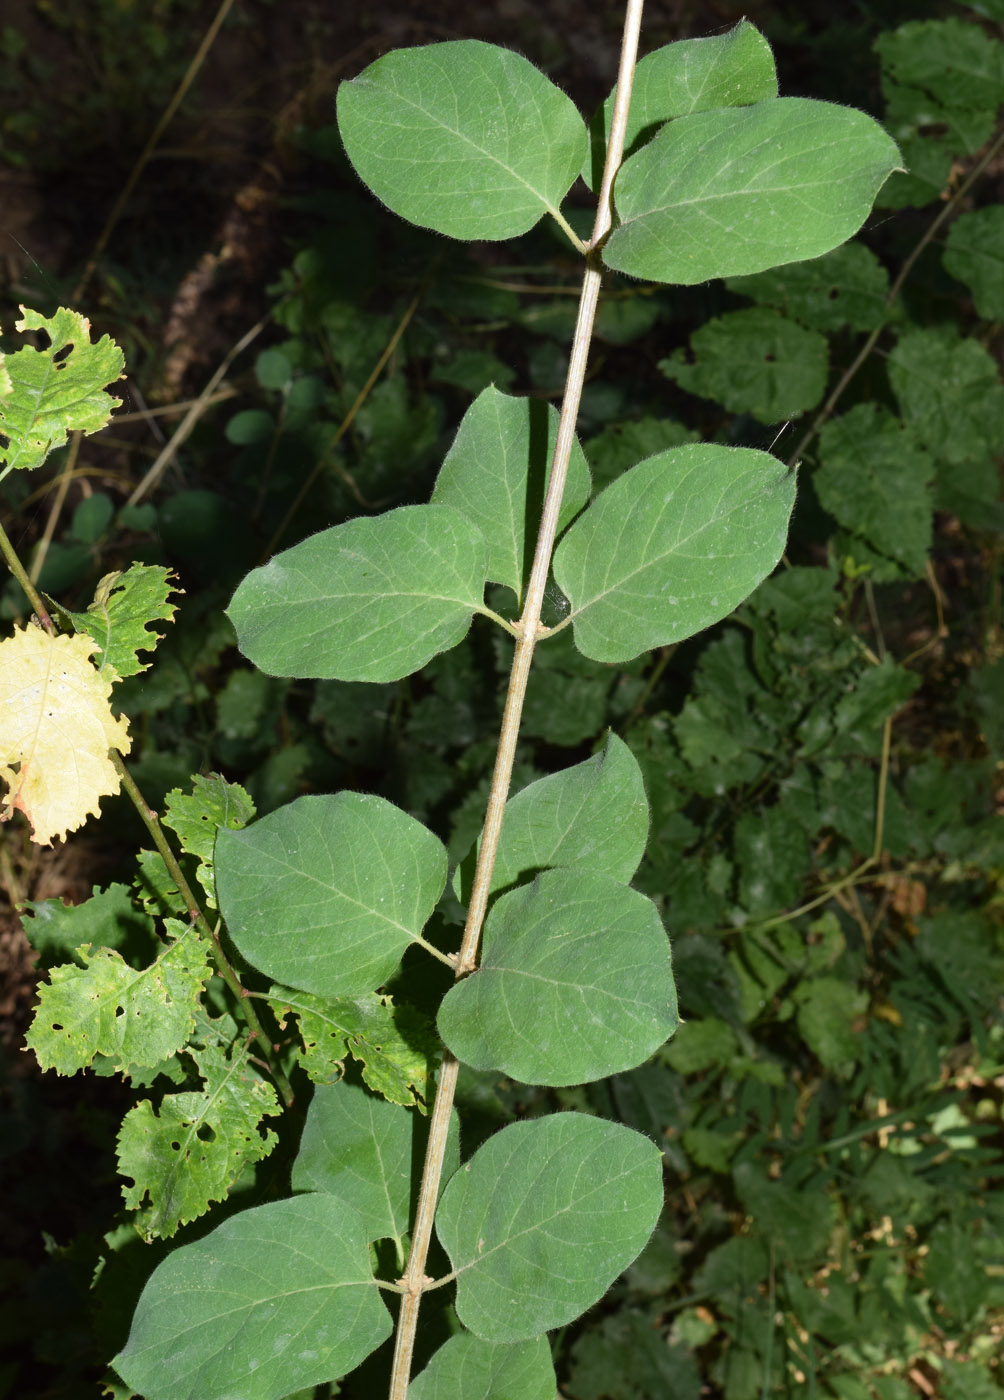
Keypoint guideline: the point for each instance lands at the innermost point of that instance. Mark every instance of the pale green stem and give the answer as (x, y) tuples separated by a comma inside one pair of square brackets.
[(31, 592), (414, 1280)]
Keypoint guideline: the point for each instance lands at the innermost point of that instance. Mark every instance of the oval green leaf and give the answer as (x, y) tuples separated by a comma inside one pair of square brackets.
[(463, 137), (543, 1218), (466, 1368), (326, 893), (496, 474), (371, 600), (274, 1300), (741, 189), (366, 1151), (672, 546), (594, 814), (690, 75), (575, 983)]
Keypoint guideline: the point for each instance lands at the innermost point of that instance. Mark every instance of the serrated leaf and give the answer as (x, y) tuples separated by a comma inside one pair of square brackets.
[(213, 1323), (796, 1222), (575, 983), (973, 254), (738, 190), (196, 817), (672, 546), (365, 1151), (949, 393), (951, 60), (325, 894), (58, 726), (754, 362), (690, 75), (496, 473), (543, 1218), (847, 287), (467, 1368), (109, 919), (593, 815), (830, 1012), (117, 619), (190, 1150), (462, 137), (371, 600), (876, 482), (105, 1007), (47, 398), (396, 1046), (628, 1356)]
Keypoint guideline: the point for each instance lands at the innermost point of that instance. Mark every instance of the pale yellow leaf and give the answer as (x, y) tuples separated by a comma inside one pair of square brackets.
[(57, 725)]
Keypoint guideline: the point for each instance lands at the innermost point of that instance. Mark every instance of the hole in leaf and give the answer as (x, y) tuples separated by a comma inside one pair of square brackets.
[(205, 1133)]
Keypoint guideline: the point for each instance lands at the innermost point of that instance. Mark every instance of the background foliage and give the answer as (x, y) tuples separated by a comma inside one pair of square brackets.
[(823, 768)]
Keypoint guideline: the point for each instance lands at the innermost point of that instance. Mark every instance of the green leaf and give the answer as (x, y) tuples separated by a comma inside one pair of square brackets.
[(366, 1151), (109, 919), (135, 1018), (949, 393), (42, 398), (628, 1356), (575, 983), (829, 1019), (593, 815), (190, 1151), (772, 852), (543, 1218), (672, 546), (371, 600), (691, 75), (463, 137), (467, 1368), (951, 60), (973, 254), (620, 445), (796, 1221), (196, 817), (754, 362), (738, 190), (276, 1299), (847, 287), (876, 482), (496, 472), (117, 619), (326, 893), (397, 1047)]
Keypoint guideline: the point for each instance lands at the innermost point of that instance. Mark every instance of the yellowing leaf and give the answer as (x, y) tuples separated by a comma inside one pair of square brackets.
[(56, 723)]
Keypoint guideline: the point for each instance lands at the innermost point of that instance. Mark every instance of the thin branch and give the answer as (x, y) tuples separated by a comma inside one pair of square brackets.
[(414, 1280), (31, 592)]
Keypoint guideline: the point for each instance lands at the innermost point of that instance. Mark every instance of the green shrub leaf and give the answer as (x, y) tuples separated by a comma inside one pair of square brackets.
[(190, 1151), (395, 1045), (196, 816), (691, 75), (672, 546), (463, 137), (847, 287), (124, 603), (364, 1150), (543, 1218), (575, 983), (594, 814), (496, 474), (876, 482), (467, 1368), (973, 254), (371, 600), (754, 362), (738, 190), (326, 893), (134, 1017), (42, 398), (213, 1324)]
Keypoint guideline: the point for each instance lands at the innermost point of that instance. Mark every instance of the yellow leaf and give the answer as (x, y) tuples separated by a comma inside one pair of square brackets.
[(57, 724)]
